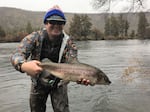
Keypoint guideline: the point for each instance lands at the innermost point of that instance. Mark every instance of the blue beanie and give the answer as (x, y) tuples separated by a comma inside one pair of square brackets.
[(54, 12)]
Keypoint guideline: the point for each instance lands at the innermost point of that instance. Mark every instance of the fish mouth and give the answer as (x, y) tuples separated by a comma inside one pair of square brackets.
[(109, 82), (106, 79)]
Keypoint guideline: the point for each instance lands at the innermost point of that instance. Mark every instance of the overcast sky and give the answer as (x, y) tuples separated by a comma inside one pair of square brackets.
[(74, 6)]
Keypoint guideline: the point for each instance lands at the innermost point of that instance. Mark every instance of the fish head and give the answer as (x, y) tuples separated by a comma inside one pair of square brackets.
[(103, 79)]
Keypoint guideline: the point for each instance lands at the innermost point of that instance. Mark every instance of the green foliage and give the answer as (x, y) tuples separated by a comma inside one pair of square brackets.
[(147, 34), (142, 24), (85, 25), (80, 26), (97, 34), (14, 23), (2, 32), (123, 26), (75, 26), (29, 28), (126, 27), (116, 26), (107, 26), (132, 35), (111, 26)]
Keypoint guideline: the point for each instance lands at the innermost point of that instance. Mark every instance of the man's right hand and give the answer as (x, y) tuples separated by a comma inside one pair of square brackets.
[(32, 68)]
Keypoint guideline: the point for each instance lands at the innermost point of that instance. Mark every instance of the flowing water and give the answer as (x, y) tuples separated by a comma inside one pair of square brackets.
[(126, 62)]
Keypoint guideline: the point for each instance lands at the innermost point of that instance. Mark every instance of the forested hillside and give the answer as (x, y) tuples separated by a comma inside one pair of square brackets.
[(14, 20)]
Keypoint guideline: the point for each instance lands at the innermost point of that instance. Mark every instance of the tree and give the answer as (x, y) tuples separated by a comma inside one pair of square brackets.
[(111, 26), (147, 34), (2, 32), (114, 26), (80, 26), (97, 34), (126, 27), (29, 28), (142, 24), (85, 25), (132, 35), (75, 26), (123, 25), (107, 26)]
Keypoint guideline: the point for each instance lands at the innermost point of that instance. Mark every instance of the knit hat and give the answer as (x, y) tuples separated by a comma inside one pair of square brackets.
[(54, 14)]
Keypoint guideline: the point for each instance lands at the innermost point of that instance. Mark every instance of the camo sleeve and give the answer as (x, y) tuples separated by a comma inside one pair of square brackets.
[(23, 51), (72, 52)]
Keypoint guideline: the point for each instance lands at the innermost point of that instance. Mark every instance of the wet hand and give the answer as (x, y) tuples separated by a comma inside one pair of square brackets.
[(84, 82), (32, 68)]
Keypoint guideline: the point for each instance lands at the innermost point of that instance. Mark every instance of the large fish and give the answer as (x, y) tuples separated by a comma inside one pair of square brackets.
[(75, 72)]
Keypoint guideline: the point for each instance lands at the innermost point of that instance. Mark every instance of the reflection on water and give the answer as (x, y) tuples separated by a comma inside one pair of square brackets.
[(126, 62)]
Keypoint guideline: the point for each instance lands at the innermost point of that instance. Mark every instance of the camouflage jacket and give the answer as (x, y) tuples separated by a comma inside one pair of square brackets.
[(31, 46)]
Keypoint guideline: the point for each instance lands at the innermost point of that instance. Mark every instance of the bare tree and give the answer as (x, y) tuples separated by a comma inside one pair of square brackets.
[(106, 4)]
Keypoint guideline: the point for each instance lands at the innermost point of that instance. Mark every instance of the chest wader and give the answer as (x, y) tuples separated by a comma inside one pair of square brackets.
[(48, 79), (63, 45), (59, 96)]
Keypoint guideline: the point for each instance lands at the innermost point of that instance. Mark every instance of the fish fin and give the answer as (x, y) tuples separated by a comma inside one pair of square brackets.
[(57, 74)]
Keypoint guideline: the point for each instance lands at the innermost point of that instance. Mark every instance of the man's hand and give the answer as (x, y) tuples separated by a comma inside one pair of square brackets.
[(84, 82), (32, 68)]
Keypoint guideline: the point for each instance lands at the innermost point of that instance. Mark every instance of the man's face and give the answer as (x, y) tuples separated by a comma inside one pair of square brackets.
[(54, 28)]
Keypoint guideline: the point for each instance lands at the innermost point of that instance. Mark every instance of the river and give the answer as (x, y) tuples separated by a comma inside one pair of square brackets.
[(126, 63)]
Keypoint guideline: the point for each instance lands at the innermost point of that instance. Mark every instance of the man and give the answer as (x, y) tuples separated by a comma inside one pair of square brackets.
[(46, 44)]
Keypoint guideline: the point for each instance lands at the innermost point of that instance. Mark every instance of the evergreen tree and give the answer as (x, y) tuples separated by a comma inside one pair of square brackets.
[(85, 25), (147, 34), (29, 28), (142, 24), (114, 26), (126, 27), (121, 24), (107, 26), (132, 35), (75, 26), (111, 26), (97, 34), (2, 32), (80, 26)]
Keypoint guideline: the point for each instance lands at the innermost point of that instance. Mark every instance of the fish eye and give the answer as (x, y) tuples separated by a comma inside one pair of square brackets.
[(105, 78)]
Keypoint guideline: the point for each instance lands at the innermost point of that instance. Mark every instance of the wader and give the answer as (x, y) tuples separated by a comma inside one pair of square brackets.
[(39, 95), (58, 94)]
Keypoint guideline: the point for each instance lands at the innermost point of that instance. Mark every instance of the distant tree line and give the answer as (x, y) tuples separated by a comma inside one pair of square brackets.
[(143, 27), (16, 34), (2, 32), (116, 27)]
